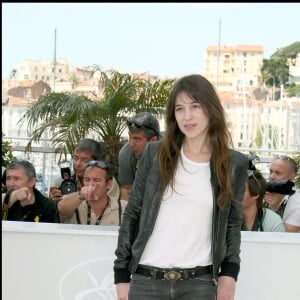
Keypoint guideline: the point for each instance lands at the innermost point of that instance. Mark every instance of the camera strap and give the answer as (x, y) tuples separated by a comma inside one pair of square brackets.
[(5, 204), (89, 215), (77, 216), (281, 208), (120, 210)]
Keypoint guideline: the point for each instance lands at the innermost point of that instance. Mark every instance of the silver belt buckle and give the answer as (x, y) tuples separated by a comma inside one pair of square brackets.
[(172, 275)]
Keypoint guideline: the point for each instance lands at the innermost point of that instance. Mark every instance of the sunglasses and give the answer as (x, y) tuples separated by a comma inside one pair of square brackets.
[(282, 157), (137, 125), (97, 163), (251, 174)]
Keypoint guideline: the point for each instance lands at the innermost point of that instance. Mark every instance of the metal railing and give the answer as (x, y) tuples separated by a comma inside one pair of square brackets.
[(45, 159)]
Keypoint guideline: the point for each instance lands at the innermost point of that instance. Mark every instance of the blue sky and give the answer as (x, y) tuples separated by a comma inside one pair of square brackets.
[(164, 39)]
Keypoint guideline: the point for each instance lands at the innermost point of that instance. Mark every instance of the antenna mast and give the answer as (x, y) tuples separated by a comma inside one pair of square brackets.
[(54, 61), (218, 55)]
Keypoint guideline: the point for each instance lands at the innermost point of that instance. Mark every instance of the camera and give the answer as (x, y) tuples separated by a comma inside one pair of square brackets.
[(68, 185), (283, 187)]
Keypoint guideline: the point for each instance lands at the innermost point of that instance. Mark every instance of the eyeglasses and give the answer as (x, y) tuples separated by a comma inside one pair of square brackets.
[(282, 157), (135, 124), (99, 163), (251, 174)]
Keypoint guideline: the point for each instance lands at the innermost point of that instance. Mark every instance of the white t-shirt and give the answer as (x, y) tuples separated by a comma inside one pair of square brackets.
[(272, 222), (182, 233), (291, 213)]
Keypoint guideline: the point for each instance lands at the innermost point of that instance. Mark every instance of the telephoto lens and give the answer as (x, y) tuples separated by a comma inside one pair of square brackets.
[(283, 187)]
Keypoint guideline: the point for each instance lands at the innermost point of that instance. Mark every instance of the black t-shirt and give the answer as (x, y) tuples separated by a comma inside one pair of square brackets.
[(42, 210)]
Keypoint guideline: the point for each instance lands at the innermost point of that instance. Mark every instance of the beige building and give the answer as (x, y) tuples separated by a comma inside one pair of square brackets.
[(44, 70), (234, 68), (248, 118)]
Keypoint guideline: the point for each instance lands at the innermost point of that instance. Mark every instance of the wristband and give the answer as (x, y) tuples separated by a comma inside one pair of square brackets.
[(80, 196)]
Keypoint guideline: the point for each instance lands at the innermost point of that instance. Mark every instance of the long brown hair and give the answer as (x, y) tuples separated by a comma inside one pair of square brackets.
[(202, 91)]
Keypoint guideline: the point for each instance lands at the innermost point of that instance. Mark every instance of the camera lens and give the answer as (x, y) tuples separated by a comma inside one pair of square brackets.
[(68, 186)]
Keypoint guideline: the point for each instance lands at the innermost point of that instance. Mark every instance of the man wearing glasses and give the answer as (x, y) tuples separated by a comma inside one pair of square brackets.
[(92, 205), (285, 168), (142, 128)]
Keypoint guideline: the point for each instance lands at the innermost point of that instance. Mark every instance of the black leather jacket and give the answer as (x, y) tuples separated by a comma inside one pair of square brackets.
[(143, 206)]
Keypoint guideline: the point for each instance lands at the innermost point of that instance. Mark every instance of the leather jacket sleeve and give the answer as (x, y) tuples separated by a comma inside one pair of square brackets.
[(228, 223), (143, 205), (131, 217)]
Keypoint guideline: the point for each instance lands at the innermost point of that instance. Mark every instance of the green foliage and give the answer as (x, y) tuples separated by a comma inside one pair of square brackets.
[(69, 117), (272, 137), (290, 51), (277, 67), (292, 89), (73, 78), (7, 155), (296, 157)]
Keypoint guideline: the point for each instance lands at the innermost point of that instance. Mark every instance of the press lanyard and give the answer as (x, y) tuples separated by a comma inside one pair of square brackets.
[(281, 208), (5, 204), (89, 215)]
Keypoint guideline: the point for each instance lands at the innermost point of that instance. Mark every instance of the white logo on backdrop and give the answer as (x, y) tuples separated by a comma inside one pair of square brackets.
[(87, 281)]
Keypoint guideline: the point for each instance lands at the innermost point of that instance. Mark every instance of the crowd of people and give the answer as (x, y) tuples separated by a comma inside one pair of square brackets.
[(191, 180)]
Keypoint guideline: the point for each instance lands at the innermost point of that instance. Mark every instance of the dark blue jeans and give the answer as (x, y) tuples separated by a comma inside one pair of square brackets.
[(145, 288)]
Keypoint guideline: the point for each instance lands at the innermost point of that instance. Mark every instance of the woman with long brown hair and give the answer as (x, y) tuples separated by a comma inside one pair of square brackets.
[(180, 235)]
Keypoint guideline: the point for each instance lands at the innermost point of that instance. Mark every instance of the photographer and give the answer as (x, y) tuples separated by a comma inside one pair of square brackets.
[(86, 149), (255, 216), (142, 129), (92, 205), (288, 206)]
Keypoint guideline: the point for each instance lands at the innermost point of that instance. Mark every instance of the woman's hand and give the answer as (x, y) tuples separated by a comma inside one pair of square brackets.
[(122, 290), (226, 288)]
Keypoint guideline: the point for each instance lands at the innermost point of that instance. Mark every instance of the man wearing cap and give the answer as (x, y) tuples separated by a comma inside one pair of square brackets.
[(143, 128)]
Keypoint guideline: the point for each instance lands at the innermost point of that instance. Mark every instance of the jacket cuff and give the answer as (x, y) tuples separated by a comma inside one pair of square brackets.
[(122, 275), (230, 269)]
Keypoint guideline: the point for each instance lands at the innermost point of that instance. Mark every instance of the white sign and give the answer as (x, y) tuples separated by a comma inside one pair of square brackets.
[(75, 262)]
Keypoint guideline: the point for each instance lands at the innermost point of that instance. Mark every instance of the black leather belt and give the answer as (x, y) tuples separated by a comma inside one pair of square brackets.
[(173, 274)]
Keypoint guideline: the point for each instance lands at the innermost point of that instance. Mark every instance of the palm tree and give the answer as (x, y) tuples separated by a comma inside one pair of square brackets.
[(7, 155), (67, 117)]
